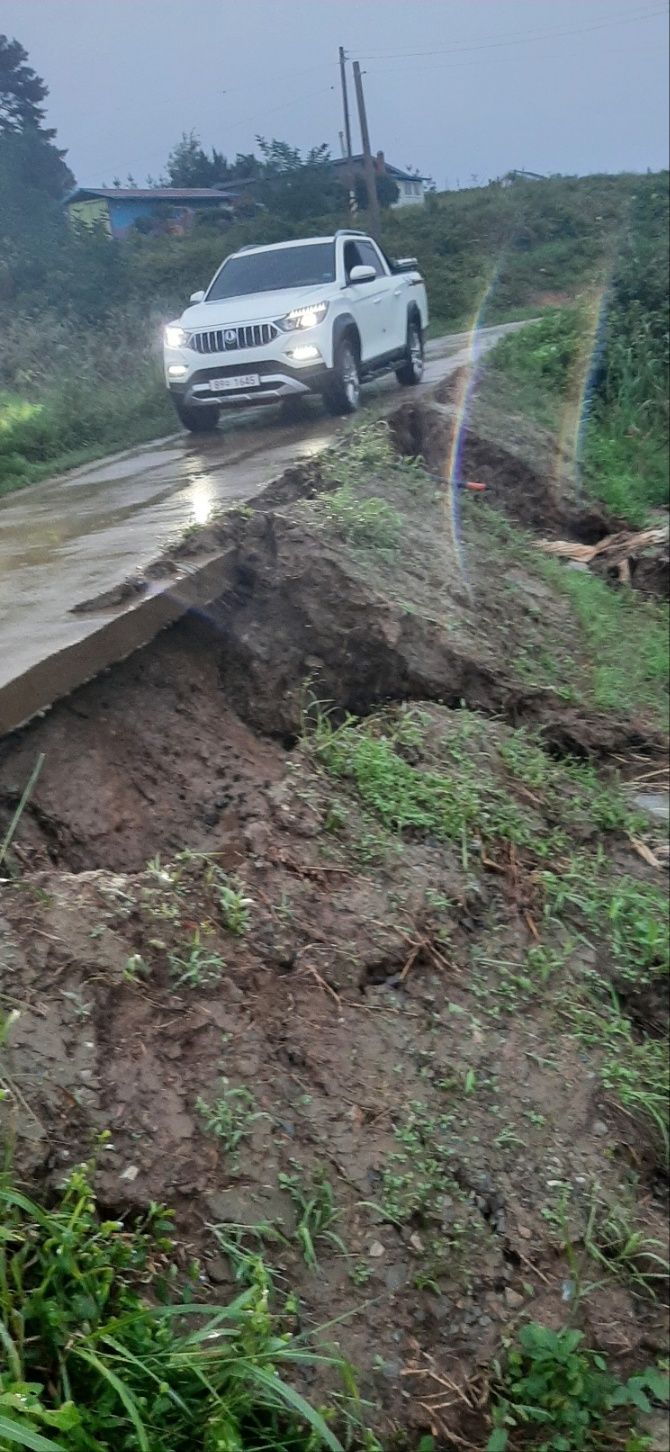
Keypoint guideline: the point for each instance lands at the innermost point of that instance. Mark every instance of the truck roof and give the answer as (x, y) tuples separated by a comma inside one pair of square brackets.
[(298, 241)]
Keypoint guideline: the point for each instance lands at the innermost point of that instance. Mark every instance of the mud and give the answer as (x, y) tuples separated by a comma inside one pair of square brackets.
[(362, 998), (156, 753), (378, 1004), (541, 498)]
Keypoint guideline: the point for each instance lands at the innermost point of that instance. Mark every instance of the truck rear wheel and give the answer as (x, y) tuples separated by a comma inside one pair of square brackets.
[(197, 420)]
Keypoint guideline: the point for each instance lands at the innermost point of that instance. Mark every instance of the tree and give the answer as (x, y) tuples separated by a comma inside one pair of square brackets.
[(189, 165), (29, 162), (21, 91), (387, 190), (298, 186)]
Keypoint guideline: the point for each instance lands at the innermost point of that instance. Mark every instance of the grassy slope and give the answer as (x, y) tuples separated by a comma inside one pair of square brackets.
[(88, 370), (616, 447)]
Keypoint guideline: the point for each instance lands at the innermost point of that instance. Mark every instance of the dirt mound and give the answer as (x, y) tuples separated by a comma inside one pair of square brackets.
[(303, 610), (161, 751), (145, 759), (541, 499)]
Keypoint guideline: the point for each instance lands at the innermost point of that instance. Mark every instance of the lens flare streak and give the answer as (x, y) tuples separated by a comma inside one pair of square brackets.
[(581, 387), (465, 388)]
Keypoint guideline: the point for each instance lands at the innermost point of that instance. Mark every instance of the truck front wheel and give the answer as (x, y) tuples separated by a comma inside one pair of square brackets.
[(196, 420), (343, 392), (411, 371)]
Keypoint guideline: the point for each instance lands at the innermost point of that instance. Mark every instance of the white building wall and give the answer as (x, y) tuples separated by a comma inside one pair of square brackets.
[(412, 193)]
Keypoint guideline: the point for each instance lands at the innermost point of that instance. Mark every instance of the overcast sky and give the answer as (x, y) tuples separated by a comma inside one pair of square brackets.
[(459, 88)]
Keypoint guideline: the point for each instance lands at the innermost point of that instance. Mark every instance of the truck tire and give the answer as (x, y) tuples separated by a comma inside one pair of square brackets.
[(197, 420), (343, 391), (411, 371)]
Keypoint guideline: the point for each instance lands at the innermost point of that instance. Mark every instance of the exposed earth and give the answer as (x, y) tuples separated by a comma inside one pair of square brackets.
[(333, 906)]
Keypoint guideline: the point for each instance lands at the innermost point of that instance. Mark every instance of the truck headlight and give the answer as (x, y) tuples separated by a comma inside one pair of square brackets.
[(174, 336), (307, 317)]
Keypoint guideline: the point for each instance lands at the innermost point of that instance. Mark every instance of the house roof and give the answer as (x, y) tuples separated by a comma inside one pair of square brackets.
[(145, 194), (526, 175), (397, 172)]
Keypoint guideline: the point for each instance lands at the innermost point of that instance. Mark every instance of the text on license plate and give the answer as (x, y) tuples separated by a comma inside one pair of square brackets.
[(241, 380)]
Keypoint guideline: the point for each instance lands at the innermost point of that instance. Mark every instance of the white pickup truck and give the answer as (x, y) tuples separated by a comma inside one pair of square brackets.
[(318, 315)]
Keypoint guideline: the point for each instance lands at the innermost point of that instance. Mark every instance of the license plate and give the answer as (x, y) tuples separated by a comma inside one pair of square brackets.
[(241, 380)]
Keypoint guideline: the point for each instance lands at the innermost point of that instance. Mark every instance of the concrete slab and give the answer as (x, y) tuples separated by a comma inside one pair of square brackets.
[(75, 537)]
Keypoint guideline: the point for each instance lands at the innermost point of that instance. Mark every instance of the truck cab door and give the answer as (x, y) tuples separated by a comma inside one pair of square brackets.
[(370, 300), (394, 301)]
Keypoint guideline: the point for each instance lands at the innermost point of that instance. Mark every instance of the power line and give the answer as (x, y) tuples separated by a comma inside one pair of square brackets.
[(547, 56), (520, 38), (400, 140), (504, 35)]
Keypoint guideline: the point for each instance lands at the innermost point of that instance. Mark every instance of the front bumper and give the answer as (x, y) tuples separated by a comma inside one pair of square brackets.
[(279, 374), (276, 380)]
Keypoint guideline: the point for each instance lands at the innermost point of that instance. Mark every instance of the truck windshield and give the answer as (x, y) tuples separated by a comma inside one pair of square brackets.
[(305, 266)]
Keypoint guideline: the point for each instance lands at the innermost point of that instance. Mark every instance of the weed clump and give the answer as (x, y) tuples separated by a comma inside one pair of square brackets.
[(562, 1396), (100, 1349)]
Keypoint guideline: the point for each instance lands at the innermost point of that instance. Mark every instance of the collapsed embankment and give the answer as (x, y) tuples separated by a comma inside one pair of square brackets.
[(395, 935)]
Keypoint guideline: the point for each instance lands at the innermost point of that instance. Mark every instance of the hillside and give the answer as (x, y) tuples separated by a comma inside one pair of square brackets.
[(81, 318)]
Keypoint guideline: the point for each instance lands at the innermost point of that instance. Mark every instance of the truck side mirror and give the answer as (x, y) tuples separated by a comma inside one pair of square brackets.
[(362, 273)]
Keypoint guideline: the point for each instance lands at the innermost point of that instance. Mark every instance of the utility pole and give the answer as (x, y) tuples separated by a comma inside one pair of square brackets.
[(370, 178), (347, 132)]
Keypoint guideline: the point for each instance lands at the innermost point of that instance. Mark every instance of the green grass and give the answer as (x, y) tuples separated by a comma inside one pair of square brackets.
[(554, 1394), (630, 916), (75, 422), (626, 467), (416, 1174), (627, 640), (617, 657), (408, 798), (633, 1070), (612, 1239), (465, 786), (364, 523), (231, 1117), (610, 371), (317, 1213), (234, 906), (193, 964), (100, 1348), (626, 920), (469, 781)]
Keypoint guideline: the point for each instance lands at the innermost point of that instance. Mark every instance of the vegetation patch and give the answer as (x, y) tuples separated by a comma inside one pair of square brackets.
[(556, 1395), (102, 1348)]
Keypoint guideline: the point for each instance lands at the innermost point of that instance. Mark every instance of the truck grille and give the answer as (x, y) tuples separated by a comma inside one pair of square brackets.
[(227, 340)]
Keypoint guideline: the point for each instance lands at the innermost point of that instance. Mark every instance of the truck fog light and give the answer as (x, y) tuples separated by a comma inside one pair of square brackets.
[(303, 353), (177, 370)]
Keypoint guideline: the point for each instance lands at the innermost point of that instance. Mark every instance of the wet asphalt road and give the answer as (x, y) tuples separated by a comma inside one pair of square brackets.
[(72, 538)]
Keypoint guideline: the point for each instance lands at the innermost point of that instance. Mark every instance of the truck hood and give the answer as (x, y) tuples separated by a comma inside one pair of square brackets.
[(258, 307)]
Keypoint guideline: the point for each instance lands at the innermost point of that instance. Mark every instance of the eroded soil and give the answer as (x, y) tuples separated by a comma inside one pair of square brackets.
[(406, 983)]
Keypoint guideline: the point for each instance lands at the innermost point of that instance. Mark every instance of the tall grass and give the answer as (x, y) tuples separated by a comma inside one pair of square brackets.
[(99, 1351), (625, 449), (67, 392)]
